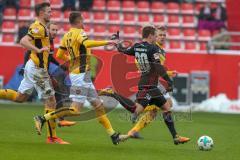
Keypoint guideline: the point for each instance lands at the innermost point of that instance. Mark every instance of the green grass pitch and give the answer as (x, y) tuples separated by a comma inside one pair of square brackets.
[(19, 141)]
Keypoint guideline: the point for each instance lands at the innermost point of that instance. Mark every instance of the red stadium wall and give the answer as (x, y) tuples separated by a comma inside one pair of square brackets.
[(223, 69), (233, 15), (10, 57), (233, 20)]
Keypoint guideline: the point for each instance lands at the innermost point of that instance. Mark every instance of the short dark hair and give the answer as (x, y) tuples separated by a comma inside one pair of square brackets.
[(74, 16), (147, 30), (40, 7)]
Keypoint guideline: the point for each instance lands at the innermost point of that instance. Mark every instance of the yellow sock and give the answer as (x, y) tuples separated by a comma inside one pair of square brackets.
[(51, 125), (146, 118), (8, 94), (102, 118), (61, 112)]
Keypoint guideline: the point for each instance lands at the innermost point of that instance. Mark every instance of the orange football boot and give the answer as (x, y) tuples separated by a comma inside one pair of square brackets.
[(180, 140), (56, 140), (65, 123)]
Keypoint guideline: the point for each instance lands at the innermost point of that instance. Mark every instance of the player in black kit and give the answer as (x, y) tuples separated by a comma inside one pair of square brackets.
[(147, 55)]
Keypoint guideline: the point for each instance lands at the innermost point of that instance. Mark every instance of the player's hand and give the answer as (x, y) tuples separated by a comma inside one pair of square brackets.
[(43, 49), (115, 36), (113, 42), (174, 73)]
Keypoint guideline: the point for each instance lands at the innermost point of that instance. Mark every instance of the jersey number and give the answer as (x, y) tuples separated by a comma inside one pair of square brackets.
[(142, 60), (70, 49)]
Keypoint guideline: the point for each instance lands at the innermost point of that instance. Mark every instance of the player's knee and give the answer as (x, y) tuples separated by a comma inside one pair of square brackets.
[(74, 111), (153, 113), (50, 102), (169, 100), (166, 107), (76, 107), (21, 98), (96, 103), (139, 108)]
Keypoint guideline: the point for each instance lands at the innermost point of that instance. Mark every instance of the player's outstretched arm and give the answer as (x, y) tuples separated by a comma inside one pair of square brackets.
[(128, 51), (26, 43), (93, 43)]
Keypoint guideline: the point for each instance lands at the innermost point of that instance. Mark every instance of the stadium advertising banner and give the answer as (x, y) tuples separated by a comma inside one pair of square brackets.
[(113, 69)]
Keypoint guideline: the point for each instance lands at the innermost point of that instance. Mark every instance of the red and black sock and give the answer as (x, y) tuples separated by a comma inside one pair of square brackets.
[(127, 103)]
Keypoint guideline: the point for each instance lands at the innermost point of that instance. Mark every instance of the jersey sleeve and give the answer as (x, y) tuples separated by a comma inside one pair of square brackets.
[(156, 63), (61, 52), (63, 45), (36, 31), (128, 51), (154, 54)]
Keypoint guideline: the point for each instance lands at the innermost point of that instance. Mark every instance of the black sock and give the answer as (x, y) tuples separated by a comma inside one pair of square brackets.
[(127, 103), (167, 116)]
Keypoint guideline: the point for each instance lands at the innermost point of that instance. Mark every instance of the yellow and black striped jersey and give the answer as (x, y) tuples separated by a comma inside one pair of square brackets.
[(40, 39), (163, 59), (79, 55), (163, 54)]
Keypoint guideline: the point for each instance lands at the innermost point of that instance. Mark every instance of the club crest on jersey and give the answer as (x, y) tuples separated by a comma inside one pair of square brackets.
[(83, 33), (35, 30), (156, 55), (148, 97)]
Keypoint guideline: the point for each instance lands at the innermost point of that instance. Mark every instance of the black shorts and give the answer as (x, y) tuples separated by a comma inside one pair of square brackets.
[(150, 96)]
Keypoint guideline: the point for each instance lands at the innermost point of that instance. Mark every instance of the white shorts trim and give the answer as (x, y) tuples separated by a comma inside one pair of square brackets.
[(167, 96)]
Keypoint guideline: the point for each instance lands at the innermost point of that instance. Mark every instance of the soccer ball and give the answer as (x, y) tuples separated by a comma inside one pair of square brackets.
[(205, 143)]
